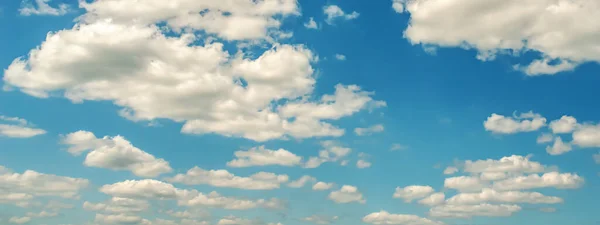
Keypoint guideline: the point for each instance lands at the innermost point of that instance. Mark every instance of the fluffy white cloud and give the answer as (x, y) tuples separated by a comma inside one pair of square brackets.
[(526, 122), (333, 12), (214, 199), (115, 153), (302, 181), (411, 193), (347, 194), (321, 186), (15, 127), (588, 136), (553, 28), (566, 124), (383, 217), (311, 24), (42, 7), (493, 196), (559, 147), (468, 211), (118, 205), (433, 199), (19, 220), (465, 183), (260, 156), (534, 181), (319, 219), (223, 178), (145, 189), (332, 152), (38, 184), (360, 131), (512, 164)]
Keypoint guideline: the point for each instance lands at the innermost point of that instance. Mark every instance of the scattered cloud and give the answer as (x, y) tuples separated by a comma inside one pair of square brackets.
[(526, 122), (545, 138), (260, 156), (468, 211), (361, 164), (411, 193), (340, 57), (42, 7), (223, 178), (20, 186), (302, 181), (14, 127), (332, 152), (566, 124), (360, 131), (450, 170), (334, 12), (311, 24), (347, 194), (383, 217), (321, 186), (321, 220), (559, 147)]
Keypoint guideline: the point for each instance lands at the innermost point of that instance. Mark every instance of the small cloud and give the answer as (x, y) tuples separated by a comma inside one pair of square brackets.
[(360, 131), (311, 24), (43, 8), (398, 147), (334, 12), (340, 57)]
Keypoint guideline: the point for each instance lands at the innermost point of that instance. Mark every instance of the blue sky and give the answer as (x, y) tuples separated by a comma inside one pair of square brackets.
[(422, 112)]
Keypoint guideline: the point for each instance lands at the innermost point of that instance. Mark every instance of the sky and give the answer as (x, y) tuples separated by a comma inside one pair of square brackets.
[(291, 112)]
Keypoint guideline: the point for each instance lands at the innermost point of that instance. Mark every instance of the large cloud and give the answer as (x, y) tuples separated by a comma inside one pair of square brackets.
[(564, 32)]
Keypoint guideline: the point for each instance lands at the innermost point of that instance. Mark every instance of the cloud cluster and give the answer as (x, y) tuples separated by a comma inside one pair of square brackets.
[(223, 178), (526, 122)]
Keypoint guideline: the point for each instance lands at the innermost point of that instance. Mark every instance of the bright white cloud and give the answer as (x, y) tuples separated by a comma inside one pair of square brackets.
[(141, 189), (260, 156), (347, 194), (468, 211), (493, 196), (311, 24), (42, 7), (553, 28), (526, 122), (566, 124), (513, 164), (559, 147), (223, 178), (588, 136), (39, 184), (547, 180), (321, 186), (433, 199), (383, 217), (411, 193), (15, 127), (465, 183), (115, 153), (331, 152), (360, 131), (334, 12), (214, 199)]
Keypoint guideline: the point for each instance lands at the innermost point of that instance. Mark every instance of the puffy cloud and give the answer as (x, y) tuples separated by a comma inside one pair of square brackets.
[(347, 194), (544, 138), (118, 205), (321, 186), (383, 217), (411, 193), (566, 124), (465, 183), (223, 178), (559, 147), (43, 8), (468, 211), (19, 220), (341, 57), (526, 122), (433, 199), (450, 170), (145, 189), (115, 153), (552, 28), (512, 164), (185, 78), (360, 131), (21, 185), (588, 136), (361, 164), (332, 152), (333, 12), (117, 219), (319, 219), (534, 181), (214, 199), (311, 24), (302, 181), (490, 195), (15, 127), (260, 156)]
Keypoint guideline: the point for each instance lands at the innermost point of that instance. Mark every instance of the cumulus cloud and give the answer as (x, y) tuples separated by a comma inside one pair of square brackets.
[(334, 12), (559, 147), (118, 205), (300, 182), (42, 7), (411, 193), (433, 199), (513, 164), (115, 153), (347, 194), (566, 124), (383, 217), (544, 138), (261, 156), (117, 219), (331, 152), (363, 131), (588, 136), (361, 164), (551, 28), (311, 24), (465, 183), (21, 186), (493, 196), (223, 178), (450, 170), (468, 211), (547, 180), (321, 186), (526, 122), (14, 127)]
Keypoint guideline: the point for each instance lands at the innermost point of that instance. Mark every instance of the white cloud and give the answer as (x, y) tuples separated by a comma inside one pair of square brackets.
[(332, 152), (566, 124), (39, 184), (468, 211), (347, 194), (42, 214), (465, 183), (319, 219), (311, 24), (526, 122), (321, 186), (450, 170), (117, 219), (361, 164), (145, 189), (302, 181), (43, 8), (260, 156), (115, 153), (493, 196), (413, 192), (19, 220), (255, 96), (214, 199), (340, 57), (550, 27), (118, 205), (232, 220), (383, 217), (15, 127), (360, 131), (544, 138), (223, 178), (188, 214), (587, 136), (433, 199), (513, 164), (534, 181), (559, 147), (334, 12)]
